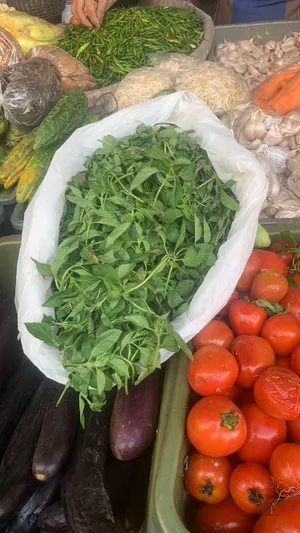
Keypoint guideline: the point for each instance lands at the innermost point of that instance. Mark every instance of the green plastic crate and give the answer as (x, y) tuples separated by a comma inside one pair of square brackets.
[(168, 510)]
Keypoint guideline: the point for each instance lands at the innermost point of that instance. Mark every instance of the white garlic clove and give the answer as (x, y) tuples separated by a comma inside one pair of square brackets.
[(270, 45), (246, 46)]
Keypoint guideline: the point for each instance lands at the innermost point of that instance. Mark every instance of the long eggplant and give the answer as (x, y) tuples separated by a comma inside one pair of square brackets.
[(8, 341), (53, 519), (85, 500), (118, 480), (132, 514), (134, 418), (26, 520), (57, 435), (17, 483), (15, 398)]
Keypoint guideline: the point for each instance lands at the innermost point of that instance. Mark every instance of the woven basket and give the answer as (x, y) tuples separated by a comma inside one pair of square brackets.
[(49, 10), (203, 49)]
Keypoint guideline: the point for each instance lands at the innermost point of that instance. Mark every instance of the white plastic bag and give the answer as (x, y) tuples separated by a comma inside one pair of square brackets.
[(42, 218)]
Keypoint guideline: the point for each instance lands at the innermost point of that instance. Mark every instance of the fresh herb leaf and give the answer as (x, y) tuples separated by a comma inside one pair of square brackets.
[(43, 332)]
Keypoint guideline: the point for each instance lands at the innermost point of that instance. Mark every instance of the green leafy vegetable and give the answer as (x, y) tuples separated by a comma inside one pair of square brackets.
[(137, 237)]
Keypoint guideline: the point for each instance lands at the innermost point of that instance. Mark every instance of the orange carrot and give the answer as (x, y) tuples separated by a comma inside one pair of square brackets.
[(267, 89), (287, 99)]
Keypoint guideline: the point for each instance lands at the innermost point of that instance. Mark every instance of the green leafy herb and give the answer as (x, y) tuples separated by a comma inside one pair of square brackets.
[(140, 229)]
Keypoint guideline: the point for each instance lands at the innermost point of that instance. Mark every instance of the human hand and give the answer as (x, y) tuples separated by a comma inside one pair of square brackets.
[(88, 13)]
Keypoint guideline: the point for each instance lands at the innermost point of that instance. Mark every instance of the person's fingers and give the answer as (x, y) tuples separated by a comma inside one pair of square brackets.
[(101, 8), (78, 12), (91, 12)]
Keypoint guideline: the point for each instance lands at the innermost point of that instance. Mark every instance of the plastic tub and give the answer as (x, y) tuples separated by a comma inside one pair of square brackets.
[(17, 217), (8, 197), (9, 251), (2, 214), (264, 31), (168, 502)]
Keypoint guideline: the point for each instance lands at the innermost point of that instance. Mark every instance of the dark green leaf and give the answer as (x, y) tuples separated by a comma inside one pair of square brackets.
[(43, 268), (116, 233), (142, 176), (105, 341), (198, 228), (59, 298), (119, 366), (206, 231), (81, 411), (228, 201), (138, 320), (100, 381), (66, 247), (42, 331)]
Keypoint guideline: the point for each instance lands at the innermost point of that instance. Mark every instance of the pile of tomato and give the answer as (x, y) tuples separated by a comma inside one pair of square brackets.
[(245, 428)]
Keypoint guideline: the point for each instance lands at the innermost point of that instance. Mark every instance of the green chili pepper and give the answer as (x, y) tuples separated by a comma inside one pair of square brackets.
[(128, 35)]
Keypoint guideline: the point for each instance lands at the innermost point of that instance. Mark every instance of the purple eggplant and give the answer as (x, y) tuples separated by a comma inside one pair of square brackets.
[(26, 520), (15, 399), (57, 434), (17, 483), (8, 341), (134, 418), (53, 519)]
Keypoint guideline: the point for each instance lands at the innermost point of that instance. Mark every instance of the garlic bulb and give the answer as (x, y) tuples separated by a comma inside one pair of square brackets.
[(254, 129), (271, 45)]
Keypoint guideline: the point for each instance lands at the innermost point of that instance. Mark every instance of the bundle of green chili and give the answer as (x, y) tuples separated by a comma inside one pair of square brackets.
[(128, 35), (141, 228)]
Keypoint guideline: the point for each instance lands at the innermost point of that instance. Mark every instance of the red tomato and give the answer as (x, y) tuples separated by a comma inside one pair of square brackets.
[(283, 333), (293, 430), (295, 360), (216, 332), (284, 518), (216, 426), (246, 397), (234, 393), (284, 362), (269, 285), (291, 302), (251, 488), (277, 393), (264, 434), (213, 370), (224, 517), (253, 355), (207, 478), (288, 257), (251, 269), (285, 468), (225, 310), (234, 460), (246, 318), (272, 261), (296, 278)]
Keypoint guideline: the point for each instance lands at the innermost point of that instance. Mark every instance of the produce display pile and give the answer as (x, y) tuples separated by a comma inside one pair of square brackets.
[(27, 162), (57, 476), (269, 122), (255, 61), (140, 230), (127, 36), (244, 426)]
